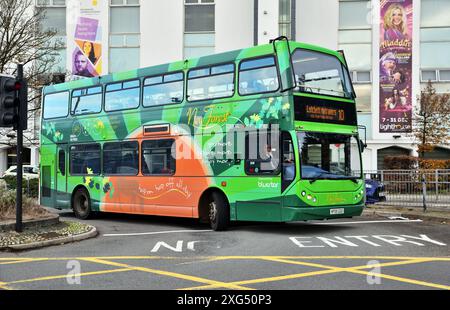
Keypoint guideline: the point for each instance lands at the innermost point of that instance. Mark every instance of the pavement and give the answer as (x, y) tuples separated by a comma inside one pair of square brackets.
[(144, 252), (438, 215)]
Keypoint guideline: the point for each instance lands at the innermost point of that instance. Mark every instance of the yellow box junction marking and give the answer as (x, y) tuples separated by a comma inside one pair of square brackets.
[(237, 285)]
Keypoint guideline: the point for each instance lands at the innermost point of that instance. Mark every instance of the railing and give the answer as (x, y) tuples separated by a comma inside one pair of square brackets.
[(414, 188)]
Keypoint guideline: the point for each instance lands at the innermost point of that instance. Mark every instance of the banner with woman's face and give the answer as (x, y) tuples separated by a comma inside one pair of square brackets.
[(396, 66), (85, 46)]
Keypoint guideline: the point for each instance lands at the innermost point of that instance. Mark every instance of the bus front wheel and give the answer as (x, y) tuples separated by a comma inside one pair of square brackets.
[(82, 204), (219, 214)]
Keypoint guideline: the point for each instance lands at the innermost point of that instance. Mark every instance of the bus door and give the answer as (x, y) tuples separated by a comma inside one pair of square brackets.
[(61, 176)]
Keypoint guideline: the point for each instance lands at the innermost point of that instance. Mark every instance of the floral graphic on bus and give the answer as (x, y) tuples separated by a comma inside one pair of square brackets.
[(271, 109)]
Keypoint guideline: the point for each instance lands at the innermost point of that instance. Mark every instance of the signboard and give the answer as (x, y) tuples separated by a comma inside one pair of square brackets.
[(84, 44), (395, 104), (325, 111)]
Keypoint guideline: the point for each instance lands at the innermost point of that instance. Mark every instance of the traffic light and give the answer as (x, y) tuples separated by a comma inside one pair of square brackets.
[(13, 98)]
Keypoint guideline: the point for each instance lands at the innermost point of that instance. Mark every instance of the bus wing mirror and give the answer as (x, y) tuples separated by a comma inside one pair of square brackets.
[(284, 58), (362, 146)]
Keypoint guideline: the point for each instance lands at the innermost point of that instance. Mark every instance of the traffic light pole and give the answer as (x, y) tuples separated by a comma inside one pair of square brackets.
[(19, 160)]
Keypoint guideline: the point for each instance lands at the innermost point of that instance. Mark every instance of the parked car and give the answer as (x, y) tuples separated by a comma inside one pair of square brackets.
[(29, 172), (374, 191)]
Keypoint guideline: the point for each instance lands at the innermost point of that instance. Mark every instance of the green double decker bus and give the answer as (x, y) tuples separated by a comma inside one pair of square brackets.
[(267, 133)]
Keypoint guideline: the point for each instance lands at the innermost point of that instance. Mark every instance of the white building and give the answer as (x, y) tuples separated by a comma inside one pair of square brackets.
[(139, 33)]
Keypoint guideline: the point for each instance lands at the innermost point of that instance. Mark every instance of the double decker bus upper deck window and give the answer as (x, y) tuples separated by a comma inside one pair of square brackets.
[(321, 74), (56, 105), (86, 101), (122, 96), (258, 76), (163, 89), (211, 82)]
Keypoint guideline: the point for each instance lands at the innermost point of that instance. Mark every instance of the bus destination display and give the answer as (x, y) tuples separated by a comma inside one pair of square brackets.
[(316, 110)]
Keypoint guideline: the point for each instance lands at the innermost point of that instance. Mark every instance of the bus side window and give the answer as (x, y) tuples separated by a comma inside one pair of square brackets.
[(56, 105), (160, 90), (122, 96), (211, 83), (258, 76), (62, 162), (85, 159), (261, 157), (121, 158), (86, 101), (158, 157), (288, 159)]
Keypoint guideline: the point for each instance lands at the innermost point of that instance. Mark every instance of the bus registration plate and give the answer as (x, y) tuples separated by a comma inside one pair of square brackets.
[(336, 211)]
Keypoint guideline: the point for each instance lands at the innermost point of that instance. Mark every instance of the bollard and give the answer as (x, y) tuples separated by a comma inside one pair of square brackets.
[(424, 193)]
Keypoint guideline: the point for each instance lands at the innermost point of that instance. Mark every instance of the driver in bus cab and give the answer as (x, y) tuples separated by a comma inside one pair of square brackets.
[(270, 161)]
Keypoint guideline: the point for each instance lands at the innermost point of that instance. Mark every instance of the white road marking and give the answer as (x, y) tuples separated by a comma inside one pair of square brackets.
[(337, 241), (368, 222), (157, 233)]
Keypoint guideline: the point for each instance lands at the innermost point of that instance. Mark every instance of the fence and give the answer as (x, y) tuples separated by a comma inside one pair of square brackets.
[(414, 188)]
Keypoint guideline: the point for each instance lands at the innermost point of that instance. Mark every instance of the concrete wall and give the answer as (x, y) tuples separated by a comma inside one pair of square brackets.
[(234, 27), (267, 21), (318, 22), (162, 29)]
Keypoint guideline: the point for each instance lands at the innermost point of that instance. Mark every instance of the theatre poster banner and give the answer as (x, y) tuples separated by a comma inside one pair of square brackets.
[(395, 108)]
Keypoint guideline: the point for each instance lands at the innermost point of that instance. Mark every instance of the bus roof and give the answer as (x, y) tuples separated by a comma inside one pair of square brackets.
[(250, 52)]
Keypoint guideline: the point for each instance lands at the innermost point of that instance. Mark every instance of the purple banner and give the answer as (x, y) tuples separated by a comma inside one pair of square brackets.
[(86, 29), (396, 66)]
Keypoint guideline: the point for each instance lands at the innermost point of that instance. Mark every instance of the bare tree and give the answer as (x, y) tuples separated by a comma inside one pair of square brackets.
[(23, 39), (431, 120)]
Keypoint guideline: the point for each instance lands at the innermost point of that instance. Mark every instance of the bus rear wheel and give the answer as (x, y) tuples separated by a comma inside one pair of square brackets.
[(82, 204), (218, 212)]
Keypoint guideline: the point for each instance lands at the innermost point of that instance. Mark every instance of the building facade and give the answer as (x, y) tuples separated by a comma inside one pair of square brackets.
[(117, 35)]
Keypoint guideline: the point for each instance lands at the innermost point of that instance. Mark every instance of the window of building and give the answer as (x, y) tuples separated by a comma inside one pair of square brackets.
[(435, 75), (85, 159), (163, 89), (158, 157), (435, 40), (51, 2), (56, 105), (355, 39), (199, 28), (286, 22), (86, 101), (258, 76), (124, 35), (211, 82), (122, 96), (55, 20), (121, 158)]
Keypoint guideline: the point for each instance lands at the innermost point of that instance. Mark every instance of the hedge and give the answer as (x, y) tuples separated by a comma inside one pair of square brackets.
[(411, 162), (30, 187)]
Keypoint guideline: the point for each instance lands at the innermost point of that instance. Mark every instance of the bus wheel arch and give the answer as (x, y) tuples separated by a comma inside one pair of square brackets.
[(81, 203), (214, 208)]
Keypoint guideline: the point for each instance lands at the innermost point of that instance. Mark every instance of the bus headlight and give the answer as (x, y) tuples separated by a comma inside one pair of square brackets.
[(303, 193)]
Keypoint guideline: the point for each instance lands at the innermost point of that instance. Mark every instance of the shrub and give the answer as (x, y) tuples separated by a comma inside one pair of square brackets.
[(400, 162), (30, 187), (31, 208), (411, 163)]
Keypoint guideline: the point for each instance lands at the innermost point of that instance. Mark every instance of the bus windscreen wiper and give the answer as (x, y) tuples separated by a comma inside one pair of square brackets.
[(305, 89), (318, 177)]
